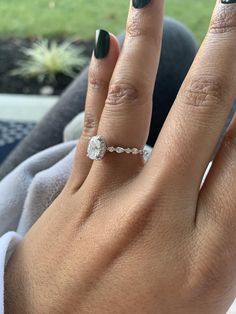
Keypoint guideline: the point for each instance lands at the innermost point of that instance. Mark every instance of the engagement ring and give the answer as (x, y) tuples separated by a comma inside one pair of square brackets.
[(97, 148)]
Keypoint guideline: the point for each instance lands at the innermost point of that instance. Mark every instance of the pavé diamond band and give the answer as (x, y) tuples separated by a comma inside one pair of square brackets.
[(97, 148)]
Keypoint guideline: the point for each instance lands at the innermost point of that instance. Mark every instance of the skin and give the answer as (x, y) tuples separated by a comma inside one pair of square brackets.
[(127, 238)]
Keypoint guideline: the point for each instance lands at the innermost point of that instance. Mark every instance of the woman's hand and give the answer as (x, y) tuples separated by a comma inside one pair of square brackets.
[(128, 238)]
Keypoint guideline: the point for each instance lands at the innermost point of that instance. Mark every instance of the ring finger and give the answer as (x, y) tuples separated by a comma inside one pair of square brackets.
[(125, 120)]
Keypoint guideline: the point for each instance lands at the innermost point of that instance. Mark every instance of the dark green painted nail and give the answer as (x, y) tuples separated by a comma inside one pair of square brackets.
[(228, 1), (139, 4), (102, 44)]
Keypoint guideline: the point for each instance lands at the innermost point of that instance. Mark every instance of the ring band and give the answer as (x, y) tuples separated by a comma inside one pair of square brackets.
[(97, 148)]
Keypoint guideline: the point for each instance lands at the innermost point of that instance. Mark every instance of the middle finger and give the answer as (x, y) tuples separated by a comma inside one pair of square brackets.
[(194, 125)]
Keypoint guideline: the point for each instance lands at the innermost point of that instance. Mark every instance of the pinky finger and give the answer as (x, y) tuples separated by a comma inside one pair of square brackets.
[(101, 68)]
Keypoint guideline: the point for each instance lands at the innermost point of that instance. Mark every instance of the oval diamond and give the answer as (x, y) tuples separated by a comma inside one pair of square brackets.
[(120, 150), (128, 150), (135, 151), (111, 149), (96, 148)]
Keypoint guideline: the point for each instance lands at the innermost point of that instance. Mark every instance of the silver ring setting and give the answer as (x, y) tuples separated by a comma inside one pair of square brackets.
[(97, 148)]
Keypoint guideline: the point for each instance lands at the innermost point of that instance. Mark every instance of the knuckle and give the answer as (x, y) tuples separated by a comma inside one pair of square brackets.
[(224, 20), (96, 82), (90, 124), (121, 93), (203, 92), (136, 28)]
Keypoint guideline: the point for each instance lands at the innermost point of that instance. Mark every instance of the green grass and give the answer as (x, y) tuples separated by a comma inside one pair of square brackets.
[(81, 17)]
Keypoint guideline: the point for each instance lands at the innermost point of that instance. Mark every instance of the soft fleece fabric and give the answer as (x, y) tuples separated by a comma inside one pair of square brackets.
[(25, 194), (7, 244)]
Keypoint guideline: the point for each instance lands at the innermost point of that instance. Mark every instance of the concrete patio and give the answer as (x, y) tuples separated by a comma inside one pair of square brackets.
[(25, 108)]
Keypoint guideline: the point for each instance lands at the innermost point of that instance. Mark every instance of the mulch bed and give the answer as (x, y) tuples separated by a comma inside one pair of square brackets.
[(10, 54)]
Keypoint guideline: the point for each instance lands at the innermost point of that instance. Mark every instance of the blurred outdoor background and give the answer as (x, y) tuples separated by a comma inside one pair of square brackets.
[(44, 44), (25, 22), (82, 17)]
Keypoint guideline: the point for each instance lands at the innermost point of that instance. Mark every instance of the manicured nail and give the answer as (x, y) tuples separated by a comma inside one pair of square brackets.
[(139, 4), (102, 44), (228, 1)]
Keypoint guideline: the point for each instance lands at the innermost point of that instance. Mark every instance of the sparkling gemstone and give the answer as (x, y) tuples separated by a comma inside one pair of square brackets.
[(120, 150), (111, 149), (96, 148), (135, 151), (128, 150)]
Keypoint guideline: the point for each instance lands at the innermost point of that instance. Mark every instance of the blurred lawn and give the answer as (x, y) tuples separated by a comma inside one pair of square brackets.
[(82, 17)]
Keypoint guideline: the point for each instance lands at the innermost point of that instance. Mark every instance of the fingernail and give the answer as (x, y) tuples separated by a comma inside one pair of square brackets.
[(139, 4), (102, 44), (228, 1)]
